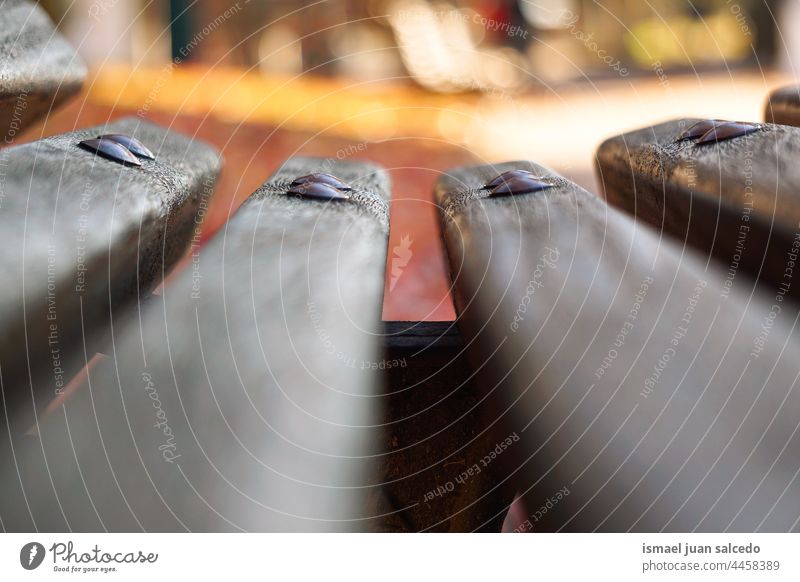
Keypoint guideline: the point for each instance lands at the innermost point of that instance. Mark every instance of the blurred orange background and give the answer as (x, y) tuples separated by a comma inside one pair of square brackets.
[(418, 87)]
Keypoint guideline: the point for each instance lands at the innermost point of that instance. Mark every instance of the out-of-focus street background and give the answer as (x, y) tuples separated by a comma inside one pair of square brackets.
[(419, 87)]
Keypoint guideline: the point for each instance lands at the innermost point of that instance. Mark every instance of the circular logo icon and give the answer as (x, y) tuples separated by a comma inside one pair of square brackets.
[(31, 555)]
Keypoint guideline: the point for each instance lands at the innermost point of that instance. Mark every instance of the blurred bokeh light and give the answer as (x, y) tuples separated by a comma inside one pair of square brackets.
[(420, 86)]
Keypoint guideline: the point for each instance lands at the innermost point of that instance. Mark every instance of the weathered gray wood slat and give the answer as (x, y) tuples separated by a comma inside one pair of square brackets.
[(38, 67), (783, 106), (81, 236), (657, 401), (242, 399), (737, 199)]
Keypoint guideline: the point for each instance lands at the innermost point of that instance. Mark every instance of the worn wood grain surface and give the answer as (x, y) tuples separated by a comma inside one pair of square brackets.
[(244, 398), (435, 436), (81, 236), (737, 199), (647, 398), (38, 68)]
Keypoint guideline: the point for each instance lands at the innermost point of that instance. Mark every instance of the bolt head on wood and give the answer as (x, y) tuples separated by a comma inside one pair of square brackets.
[(726, 131), (317, 191), (322, 178), (520, 184), (131, 143), (111, 150), (699, 129), (507, 175)]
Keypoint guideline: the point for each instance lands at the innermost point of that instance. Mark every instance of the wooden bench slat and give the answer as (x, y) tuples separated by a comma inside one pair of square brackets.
[(241, 401), (738, 199), (783, 106), (632, 380), (80, 237), (39, 68)]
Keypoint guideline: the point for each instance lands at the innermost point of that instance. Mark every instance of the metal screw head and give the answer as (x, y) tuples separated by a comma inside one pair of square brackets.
[(322, 178), (111, 150), (519, 185), (699, 129), (507, 175), (133, 144), (727, 130), (318, 191)]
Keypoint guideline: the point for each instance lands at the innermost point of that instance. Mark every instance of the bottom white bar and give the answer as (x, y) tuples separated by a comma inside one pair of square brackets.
[(407, 558)]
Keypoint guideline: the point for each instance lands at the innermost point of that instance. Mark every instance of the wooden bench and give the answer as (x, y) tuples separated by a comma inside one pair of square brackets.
[(738, 200), (39, 69), (240, 400), (608, 377), (783, 106), (645, 399), (81, 237)]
